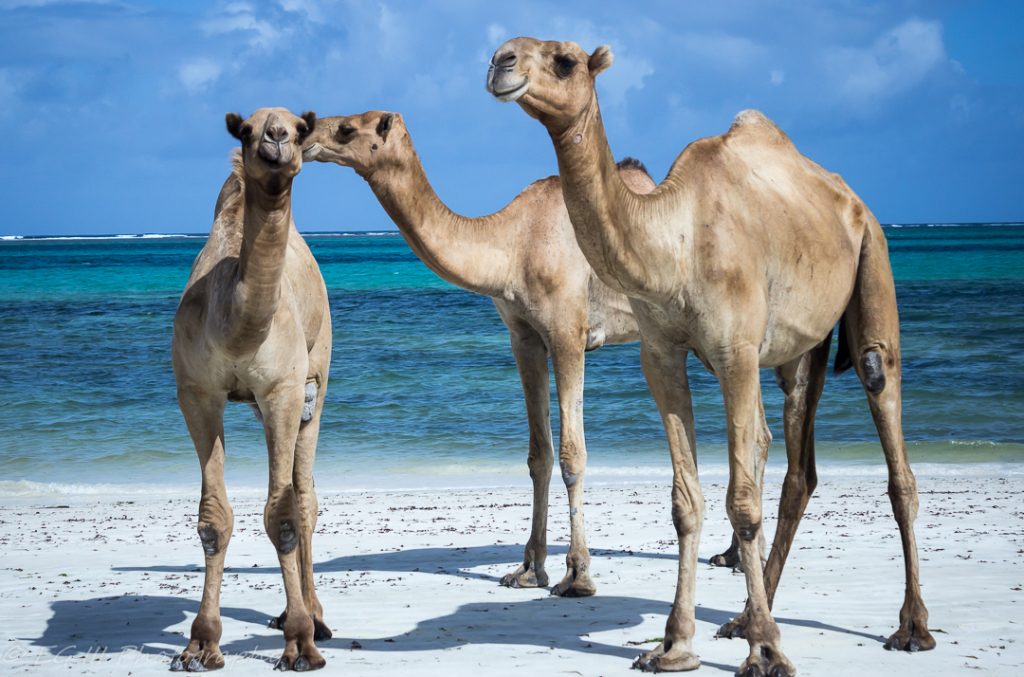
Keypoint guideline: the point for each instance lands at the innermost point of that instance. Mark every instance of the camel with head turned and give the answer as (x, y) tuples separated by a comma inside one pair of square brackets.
[(747, 255), (526, 259), (253, 325)]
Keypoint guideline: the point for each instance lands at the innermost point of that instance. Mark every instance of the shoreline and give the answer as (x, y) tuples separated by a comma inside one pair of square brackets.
[(453, 478), (105, 586)]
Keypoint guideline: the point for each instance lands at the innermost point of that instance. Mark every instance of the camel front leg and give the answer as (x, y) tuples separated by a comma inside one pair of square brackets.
[(285, 521), (763, 440), (532, 361), (802, 381), (737, 370), (204, 416), (664, 368), (305, 493), (568, 362)]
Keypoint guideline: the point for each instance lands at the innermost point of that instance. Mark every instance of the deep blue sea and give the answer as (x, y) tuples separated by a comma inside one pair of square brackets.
[(423, 385)]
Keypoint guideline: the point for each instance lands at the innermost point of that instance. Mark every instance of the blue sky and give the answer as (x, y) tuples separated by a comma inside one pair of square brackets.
[(112, 112)]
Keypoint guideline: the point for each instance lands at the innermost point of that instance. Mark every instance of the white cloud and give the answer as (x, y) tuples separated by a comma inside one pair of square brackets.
[(496, 34), (895, 62), (626, 73), (307, 7), (198, 74), (777, 76), (239, 17)]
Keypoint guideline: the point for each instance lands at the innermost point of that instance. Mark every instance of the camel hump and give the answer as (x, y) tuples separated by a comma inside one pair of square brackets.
[(234, 186), (751, 120)]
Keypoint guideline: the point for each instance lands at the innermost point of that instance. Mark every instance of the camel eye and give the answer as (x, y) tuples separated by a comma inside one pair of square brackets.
[(246, 131), (564, 65), (302, 129), (345, 132)]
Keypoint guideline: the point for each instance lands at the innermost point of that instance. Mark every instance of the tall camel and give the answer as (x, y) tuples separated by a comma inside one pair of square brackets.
[(747, 254), (254, 326), (525, 258)]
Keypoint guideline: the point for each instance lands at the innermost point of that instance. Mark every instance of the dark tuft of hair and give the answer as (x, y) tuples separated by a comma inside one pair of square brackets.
[(632, 163)]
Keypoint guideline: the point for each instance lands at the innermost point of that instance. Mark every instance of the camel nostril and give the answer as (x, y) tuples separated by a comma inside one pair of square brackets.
[(506, 60), (276, 134)]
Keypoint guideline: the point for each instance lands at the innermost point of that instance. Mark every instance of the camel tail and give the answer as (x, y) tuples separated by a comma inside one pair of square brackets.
[(843, 361)]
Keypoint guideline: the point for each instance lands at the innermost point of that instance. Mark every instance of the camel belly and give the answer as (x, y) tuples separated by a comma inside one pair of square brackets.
[(802, 312)]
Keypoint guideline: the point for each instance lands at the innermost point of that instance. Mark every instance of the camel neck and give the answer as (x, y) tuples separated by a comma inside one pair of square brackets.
[(610, 220), (266, 227), (472, 253)]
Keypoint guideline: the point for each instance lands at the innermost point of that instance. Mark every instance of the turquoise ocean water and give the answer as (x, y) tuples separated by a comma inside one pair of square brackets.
[(423, 386)]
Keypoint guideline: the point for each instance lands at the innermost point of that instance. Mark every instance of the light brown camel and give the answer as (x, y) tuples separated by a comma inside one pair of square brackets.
[(254, 326), (524, 257), (747, 254)]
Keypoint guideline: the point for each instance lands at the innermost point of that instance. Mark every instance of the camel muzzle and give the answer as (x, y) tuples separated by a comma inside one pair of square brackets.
[(274, 152), (501, 77)]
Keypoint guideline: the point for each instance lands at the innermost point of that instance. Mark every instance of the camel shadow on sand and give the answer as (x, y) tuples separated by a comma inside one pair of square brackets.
[(141, 622), (451, 561)]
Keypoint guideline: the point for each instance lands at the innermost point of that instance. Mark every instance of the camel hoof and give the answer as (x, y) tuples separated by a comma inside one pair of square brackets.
[(726, 559), (195, 665), (187, 662), (575, 588), (524, 577), (320, 630), (912, 639), (300, 664), (769, 664), (576, 583), (734, 629), (662, 663)]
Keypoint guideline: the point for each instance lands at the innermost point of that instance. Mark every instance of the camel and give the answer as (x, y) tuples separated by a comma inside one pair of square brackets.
[(747, 255), (254, 326), (525, 258)]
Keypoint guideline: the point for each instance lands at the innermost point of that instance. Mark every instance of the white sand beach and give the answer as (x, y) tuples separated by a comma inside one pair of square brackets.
[(109, 584)]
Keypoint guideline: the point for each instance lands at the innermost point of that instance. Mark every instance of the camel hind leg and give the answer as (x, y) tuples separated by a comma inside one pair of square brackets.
[(204, 416), (872, 334)]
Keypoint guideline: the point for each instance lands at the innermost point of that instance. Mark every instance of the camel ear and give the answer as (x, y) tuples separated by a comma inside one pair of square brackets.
[(234, 122), (600, 60), (384, 126), (309, 117)]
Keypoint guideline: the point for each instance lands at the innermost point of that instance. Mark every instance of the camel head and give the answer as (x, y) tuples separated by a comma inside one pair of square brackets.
[(552, 81), (364, 142), (272, 140)]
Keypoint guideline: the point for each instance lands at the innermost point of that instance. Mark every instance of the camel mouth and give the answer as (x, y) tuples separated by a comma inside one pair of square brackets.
[(274, 154), (310, 153), (511, 94)]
